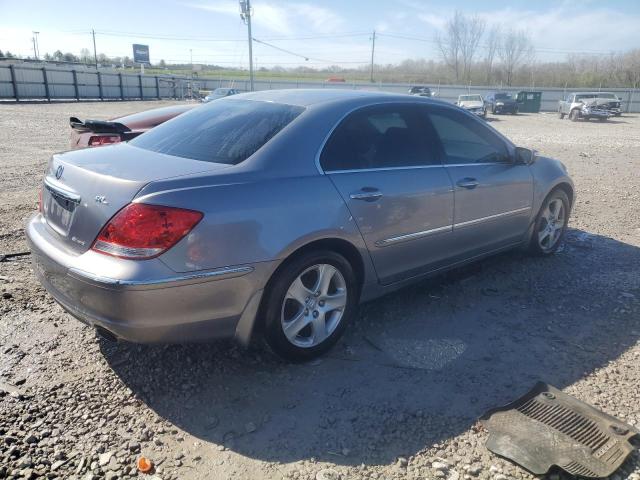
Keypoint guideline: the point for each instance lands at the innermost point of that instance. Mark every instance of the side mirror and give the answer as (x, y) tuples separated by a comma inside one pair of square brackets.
[(525, 156)]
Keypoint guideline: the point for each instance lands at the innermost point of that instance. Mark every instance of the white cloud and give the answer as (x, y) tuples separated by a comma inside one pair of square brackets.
[(285, 19), (436, 21)]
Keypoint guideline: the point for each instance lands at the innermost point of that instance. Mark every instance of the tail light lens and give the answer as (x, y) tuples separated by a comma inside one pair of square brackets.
[(101, 140), (141, 231)]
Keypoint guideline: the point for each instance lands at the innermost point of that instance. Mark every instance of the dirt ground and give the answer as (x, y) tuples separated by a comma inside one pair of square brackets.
[(400, 395)]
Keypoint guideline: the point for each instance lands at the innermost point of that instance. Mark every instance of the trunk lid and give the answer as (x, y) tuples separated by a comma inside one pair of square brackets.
[(85, 188)]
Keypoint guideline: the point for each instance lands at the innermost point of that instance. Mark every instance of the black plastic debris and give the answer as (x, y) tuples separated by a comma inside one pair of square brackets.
[(6, 256), (547, 428)]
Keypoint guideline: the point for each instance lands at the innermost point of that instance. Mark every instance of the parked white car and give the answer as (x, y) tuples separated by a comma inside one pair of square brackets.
[(473, 103)]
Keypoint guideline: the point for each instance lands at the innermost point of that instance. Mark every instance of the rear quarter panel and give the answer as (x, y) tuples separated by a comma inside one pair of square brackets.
[(260, 220)]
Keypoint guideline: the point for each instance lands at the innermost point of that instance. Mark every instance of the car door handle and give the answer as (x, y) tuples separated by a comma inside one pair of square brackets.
[(468, 182), (366, 194)]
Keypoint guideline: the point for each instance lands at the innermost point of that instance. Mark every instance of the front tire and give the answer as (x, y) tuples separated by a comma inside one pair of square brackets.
[(574, 116), (551, 223), (309, 305)]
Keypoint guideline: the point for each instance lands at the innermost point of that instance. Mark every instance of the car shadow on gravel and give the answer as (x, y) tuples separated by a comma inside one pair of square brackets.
[(417, 368)]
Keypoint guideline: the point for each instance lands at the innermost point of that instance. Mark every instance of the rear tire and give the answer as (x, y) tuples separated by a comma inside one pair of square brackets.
[(561, 115), (305, 312), (574, 116), (551, 223)]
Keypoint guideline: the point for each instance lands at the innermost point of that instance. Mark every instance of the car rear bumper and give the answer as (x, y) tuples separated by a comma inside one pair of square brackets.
[(479, 113), (151, 303), (506, 108)]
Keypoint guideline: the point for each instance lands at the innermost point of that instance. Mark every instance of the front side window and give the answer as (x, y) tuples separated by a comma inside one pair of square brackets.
[(465, 140), (385, 136), (228, 131)]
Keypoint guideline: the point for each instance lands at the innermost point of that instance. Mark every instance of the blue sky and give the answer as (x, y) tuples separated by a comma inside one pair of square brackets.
[(327, 32)]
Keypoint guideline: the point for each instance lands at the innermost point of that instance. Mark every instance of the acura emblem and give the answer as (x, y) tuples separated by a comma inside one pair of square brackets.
[(59, 171)]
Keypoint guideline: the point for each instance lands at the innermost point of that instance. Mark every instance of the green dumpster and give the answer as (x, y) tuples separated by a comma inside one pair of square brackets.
[(529, 102)]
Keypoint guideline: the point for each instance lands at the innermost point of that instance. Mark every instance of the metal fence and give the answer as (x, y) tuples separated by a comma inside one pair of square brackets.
[(21, 82)]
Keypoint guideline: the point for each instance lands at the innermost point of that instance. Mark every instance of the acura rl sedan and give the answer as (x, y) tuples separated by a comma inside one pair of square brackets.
[(276, 213)]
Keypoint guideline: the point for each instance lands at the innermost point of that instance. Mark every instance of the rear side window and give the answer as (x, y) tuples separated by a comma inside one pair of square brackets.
[(226, 131), (384, 136), (465, 140)]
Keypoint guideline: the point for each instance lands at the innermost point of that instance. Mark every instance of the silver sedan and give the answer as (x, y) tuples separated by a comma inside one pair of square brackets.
[(279, 212)]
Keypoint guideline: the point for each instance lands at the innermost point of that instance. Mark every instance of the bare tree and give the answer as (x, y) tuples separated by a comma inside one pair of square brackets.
[(470, 36), (515, 49), (450, 43), (492, 43)]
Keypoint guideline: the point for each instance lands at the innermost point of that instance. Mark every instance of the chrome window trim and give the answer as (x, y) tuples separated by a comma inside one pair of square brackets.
[(490, 217), (412, 236), (382, 169)]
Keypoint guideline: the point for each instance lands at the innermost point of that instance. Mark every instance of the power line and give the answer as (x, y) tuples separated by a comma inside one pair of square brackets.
[(306, 58)]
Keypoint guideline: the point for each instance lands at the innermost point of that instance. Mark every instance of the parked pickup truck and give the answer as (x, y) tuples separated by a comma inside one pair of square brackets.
[(588, 105)]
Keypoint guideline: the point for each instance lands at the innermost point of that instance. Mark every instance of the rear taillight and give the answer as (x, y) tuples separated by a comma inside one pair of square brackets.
[(101, 140), (141, 231)]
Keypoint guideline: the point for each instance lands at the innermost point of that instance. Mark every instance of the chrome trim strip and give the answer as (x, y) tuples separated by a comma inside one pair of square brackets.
[(60, 191), (168, 281), (360, 170), (412, 236), (490, 217), (478, 164)]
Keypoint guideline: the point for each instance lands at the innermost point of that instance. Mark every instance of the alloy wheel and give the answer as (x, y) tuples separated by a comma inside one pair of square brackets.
[(314, 305), (552, 224)]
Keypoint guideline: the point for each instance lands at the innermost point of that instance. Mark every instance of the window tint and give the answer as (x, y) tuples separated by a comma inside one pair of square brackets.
[(226, 131), (466, 140), (380, 137)]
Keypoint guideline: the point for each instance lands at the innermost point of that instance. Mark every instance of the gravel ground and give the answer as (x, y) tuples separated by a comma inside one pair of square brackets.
[(398, 397)]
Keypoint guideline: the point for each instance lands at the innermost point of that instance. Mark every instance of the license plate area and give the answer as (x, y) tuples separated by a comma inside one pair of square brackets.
[(59, 208)]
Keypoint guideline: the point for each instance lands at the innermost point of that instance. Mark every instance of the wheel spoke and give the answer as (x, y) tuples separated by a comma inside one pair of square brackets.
[(325, 274), (319, 328), (293, 327), (543, 235), (335, 301), (298, 292)]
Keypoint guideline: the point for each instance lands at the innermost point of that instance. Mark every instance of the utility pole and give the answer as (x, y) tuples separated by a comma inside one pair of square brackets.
[(36, 50), (191, 58), (37, 46), (95, 52), (373, 49), (245, 15)]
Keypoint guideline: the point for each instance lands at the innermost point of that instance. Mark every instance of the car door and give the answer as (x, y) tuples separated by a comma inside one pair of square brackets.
[(383, 162), (492, 193)]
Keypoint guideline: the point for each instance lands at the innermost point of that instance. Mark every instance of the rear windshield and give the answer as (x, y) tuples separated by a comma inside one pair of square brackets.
[(503, 95), (470, 98), (226, 131)]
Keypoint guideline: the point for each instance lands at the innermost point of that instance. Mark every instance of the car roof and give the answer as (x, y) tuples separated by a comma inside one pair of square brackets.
[(320, 96), (589, 93)]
